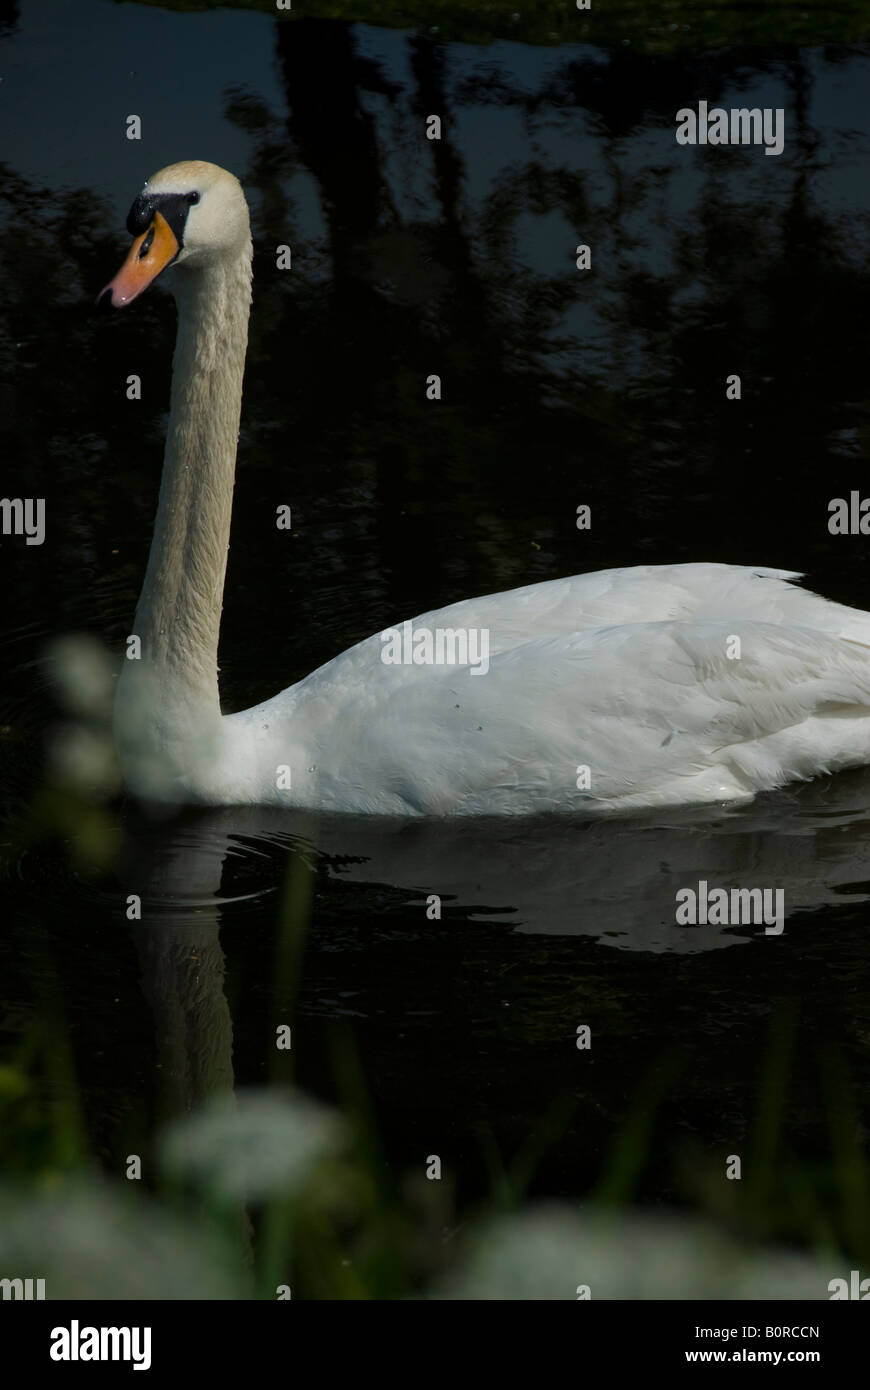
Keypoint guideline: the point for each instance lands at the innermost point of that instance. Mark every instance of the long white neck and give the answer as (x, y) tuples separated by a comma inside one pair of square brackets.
[(167, 702)]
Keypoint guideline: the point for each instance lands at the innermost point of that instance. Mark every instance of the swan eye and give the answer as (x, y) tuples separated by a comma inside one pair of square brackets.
[(193, 197)]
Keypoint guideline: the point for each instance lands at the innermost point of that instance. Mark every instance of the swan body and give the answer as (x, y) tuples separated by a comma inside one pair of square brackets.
[(627, 688)]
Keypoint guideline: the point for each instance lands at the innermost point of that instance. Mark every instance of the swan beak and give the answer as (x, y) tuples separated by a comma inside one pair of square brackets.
[(149, 254)]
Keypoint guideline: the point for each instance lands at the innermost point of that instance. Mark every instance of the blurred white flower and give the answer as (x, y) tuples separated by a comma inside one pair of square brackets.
[(90, 1241), (548, 1252), (252, 1146), (83, 671)]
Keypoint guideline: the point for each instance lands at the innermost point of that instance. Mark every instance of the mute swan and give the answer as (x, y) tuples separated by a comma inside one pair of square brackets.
[(627, 688)]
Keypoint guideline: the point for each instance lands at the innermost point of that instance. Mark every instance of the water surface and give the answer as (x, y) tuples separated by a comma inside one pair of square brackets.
[(559, 388)]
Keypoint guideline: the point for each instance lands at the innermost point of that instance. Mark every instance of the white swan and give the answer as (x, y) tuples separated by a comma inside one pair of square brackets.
[(633, 674)]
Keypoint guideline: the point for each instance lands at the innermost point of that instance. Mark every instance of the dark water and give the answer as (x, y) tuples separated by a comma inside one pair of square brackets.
[(559, 388)]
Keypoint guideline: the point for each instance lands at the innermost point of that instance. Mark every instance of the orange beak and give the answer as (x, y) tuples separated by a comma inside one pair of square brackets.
[(149, 254)]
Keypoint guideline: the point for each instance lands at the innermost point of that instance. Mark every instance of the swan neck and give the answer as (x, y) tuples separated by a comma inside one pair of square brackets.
[(178, 616)]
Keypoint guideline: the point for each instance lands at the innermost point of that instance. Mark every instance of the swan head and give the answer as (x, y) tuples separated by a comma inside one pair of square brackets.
[(189, 214)]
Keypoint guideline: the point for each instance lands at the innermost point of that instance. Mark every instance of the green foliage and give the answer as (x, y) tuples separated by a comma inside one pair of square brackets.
[(669, 27), (267, 1188), (270, 1154)]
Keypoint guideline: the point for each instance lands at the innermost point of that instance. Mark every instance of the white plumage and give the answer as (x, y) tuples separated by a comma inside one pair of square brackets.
[(671, 684), (625, 672)]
